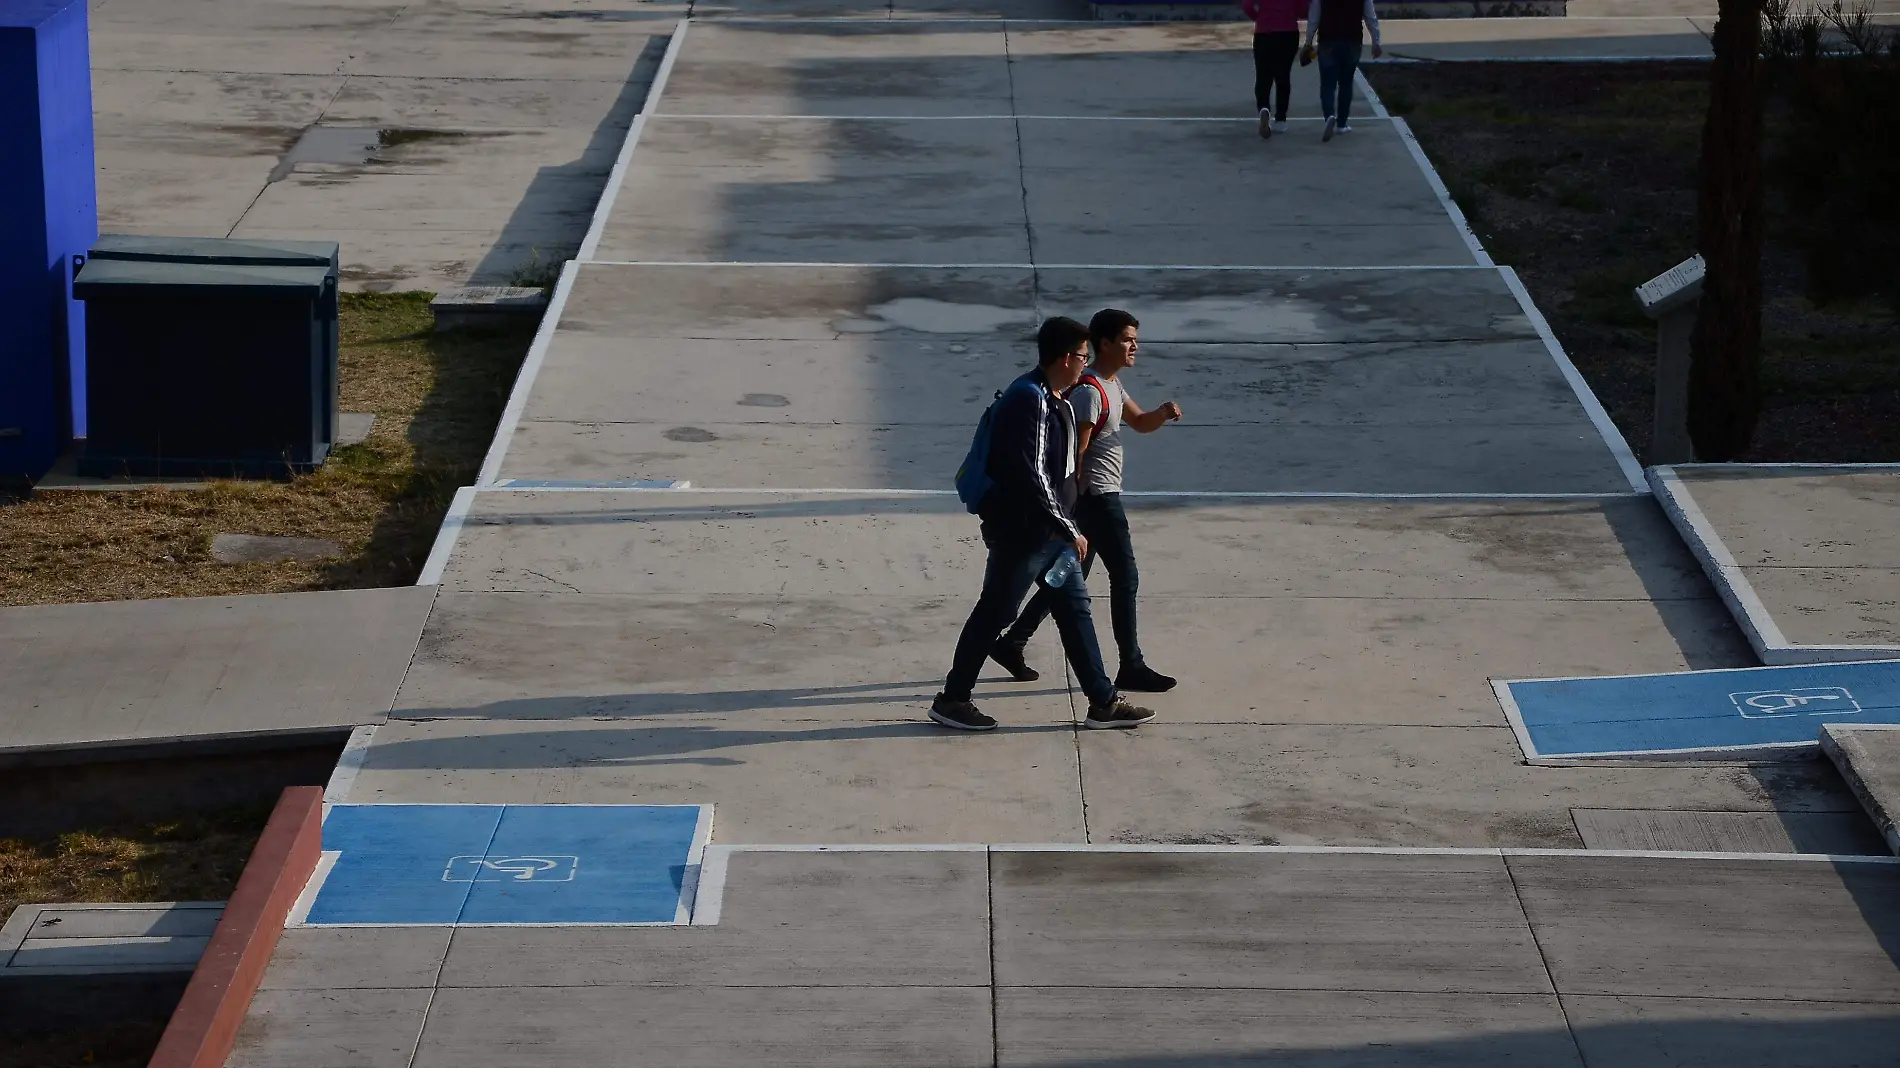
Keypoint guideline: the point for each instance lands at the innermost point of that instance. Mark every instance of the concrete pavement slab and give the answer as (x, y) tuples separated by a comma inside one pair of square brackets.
[(201, 668), (749, 659), (1803, 554), (436, 38), (1728, 832), (790, 546), (1295, 306), (1441, 924), (792, 919), (330, 958), (1396, 219), (1135, 70), (792, 68), (775, 780), (1346, 458), (951, 305), (1389, 785), (1782, 1033), (1647, 35), (493, 104), (1067, 1026), (150, 47), (693, 1027), (1399, 661), (1796, 930), (1869, 760), (826, 191), (353, 18), (331, 1029)]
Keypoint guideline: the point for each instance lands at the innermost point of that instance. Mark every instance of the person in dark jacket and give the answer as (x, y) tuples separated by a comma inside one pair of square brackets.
[(1338, 24), (1027, 524)]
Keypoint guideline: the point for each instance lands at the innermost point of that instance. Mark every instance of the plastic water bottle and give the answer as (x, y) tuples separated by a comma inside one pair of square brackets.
[(1057, 573)]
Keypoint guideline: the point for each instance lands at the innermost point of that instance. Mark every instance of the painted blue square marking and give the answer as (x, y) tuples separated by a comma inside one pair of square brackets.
[(1698, 711), (390, 870), (630, 867), (503, 864)]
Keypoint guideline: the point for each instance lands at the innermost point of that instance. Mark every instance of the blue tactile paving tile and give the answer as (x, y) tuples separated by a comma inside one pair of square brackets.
[(508, 864), (1691, 712)]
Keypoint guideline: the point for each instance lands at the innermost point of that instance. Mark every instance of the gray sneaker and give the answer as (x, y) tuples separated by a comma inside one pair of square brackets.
[(1266, 124), (1117, 714), (1332, 127)]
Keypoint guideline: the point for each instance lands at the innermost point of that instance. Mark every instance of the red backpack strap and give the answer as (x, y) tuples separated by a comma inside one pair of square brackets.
[(1089, 379)]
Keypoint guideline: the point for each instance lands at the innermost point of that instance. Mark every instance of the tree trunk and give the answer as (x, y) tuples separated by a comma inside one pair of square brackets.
[(1725, 360)]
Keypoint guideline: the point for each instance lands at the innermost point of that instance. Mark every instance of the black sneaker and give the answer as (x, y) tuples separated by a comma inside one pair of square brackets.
[(1117, 713), (959, 715), (1143, 679), (1011, 657)]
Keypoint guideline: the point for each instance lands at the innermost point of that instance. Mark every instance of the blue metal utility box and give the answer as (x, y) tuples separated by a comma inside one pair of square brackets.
[(48, 215), (210, 369)]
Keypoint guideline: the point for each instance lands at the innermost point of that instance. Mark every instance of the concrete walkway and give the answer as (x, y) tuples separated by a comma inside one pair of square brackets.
[(828, 242)]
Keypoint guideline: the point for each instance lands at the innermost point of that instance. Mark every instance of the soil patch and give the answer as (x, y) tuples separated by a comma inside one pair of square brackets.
[(1583, 178)]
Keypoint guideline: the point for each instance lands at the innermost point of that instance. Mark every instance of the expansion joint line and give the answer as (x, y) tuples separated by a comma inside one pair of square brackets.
[(1022, 177), (989, 887), (1543, 958)]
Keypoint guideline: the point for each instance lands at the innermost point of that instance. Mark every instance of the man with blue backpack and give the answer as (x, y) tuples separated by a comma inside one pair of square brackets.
[(1019, 477)]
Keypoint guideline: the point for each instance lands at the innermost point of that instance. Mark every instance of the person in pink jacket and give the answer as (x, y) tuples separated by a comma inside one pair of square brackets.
[(1276, 40)]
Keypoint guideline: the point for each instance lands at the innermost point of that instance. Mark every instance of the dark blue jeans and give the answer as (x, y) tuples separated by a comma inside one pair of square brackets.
[(1337, 62), (1104, 523), (1012, 570)]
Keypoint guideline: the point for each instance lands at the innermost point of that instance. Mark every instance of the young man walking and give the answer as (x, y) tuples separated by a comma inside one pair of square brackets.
[(1101, 408), (1276, 40), (1338, 24), (1027, 524)]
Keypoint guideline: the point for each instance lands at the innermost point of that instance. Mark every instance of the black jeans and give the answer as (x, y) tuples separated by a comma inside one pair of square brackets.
[(1273, 68), (1013, 568), (1337, 62), (1105, 524)]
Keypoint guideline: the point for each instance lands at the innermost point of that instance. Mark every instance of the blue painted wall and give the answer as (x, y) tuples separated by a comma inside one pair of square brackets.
[(48, 215)]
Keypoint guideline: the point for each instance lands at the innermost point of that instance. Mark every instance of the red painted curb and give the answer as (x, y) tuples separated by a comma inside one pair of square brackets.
[(207, 1018)]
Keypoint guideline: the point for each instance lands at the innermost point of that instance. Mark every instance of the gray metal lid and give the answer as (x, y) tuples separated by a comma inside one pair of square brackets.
[(131, 277), (251, 250)]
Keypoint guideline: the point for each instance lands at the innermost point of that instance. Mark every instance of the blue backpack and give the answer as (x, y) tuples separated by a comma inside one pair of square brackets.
[(973, 477)]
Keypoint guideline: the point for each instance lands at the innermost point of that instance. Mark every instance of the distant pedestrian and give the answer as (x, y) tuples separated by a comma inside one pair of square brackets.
[(1102, 407), (1029, 461), (1338, 24), (1276, 40)]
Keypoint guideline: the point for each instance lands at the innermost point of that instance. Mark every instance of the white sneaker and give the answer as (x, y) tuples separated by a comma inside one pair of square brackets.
[(1332, 125), (1344, 128), (1266, 124), (1279, 127)]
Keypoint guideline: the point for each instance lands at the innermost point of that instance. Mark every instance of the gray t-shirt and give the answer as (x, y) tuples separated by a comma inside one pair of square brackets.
[(1102, 463)]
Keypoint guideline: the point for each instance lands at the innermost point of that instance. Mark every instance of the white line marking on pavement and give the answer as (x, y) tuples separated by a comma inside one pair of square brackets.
[(1399, 59), (1303, 267), (530, 368), (1286, 495), (1445, 201), (1733, 586), (1612, 437), (709, 892), (695, 866), (300, 909), (805, 117), (604, 208), (445, 538), (350, 761)]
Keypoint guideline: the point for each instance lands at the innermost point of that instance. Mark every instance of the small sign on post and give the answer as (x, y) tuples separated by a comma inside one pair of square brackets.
[(1670, 299)]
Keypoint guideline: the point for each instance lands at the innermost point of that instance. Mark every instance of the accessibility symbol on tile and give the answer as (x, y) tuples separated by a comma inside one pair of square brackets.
[(1795, 701), (518, 869)]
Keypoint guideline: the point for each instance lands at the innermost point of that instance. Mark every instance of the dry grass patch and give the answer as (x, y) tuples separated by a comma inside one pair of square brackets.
[(194, 858), (436, 398)]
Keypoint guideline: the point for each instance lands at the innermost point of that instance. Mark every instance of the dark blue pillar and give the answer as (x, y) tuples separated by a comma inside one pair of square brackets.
[(48, 215)]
